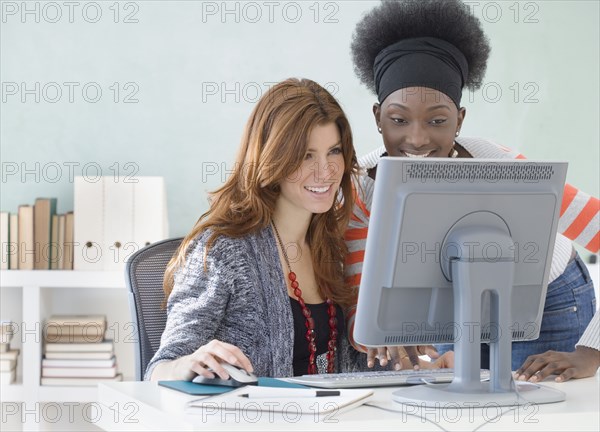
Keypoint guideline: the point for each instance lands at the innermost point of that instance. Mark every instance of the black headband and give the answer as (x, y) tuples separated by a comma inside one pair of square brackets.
[(421, 62)]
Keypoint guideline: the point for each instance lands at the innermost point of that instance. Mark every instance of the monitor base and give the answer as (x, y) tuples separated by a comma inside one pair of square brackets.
[(446, 396)]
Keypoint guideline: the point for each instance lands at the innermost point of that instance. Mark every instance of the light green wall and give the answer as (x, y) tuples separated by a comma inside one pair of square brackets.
[(175, 54)]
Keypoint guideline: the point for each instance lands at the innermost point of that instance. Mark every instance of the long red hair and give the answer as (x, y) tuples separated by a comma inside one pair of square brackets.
[(273, 146)]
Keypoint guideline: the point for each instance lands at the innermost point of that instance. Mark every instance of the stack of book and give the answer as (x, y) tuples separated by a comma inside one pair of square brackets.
[(8, 357), (36, 238), (76, 352)]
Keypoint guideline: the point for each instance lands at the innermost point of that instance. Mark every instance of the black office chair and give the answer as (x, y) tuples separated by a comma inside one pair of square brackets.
[(144, 273)]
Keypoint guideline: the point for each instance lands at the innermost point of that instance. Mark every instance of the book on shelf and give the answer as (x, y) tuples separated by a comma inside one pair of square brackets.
[(8, 377), (4, 240), (8, 357), (60, 240), (91, 332), (26, 240), (104, 346), (10, 354), (80, 372), (68, 337), (55, 246), (14, 242), (36, 237), (75, 328), (77, 320), (7, 364), (77, 382), (68, 245), (7, 330), (79, 363), (78, 355), (43, 210)]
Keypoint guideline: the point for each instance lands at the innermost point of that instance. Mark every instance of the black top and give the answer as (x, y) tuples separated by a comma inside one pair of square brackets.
[(321, 318)]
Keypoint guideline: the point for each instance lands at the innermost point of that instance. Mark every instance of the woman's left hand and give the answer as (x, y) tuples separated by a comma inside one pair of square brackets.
[(581, 363)]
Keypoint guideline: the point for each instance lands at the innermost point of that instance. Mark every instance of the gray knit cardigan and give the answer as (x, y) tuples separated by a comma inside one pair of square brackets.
[(241, 298)]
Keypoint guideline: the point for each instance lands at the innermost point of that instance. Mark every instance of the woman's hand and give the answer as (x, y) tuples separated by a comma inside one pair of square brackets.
[(210, 355), (445, 361), (581, 363), (403, 357)]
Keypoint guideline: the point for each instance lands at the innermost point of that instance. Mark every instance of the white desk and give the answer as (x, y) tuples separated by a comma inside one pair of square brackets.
[(147, 406)]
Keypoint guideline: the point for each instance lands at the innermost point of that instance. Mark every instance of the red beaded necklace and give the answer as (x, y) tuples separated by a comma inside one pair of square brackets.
[(310, 323)]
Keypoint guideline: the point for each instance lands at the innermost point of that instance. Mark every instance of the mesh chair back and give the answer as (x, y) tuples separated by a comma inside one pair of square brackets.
[(144, 273)]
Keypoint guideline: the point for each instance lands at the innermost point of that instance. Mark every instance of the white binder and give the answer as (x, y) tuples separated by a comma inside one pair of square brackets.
[(118, 221), (126, 214), (149, 211), (88, 227)]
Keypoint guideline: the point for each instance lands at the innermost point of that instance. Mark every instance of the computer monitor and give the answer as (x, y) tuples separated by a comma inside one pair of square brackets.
[(459, 251)]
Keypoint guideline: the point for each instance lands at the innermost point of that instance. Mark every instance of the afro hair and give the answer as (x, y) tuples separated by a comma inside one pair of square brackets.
[(392, 21)]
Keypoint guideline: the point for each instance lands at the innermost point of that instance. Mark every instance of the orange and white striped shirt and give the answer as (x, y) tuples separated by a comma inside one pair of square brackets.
[(579, 219)]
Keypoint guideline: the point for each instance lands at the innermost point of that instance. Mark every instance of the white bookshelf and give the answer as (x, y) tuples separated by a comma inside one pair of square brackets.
[(30, 297)]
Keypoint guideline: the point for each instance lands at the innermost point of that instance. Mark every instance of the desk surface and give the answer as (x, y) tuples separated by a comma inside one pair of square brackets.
[(147, 406)]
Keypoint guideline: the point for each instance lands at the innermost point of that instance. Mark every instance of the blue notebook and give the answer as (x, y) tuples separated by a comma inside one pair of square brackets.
[(204, 390)]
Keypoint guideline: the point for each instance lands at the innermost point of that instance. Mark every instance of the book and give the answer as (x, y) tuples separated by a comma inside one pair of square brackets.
[(270, 399), (75, 328), (90, 330), (67, 337), (76, 320), (10, 354), (6, 365), (68, 248), (77, 355), (61, 241), (55, 247), (7, 330), (79, 363), (104, 346), (79, 382), (43, 210), (14, 241), (26, 257), (80, 372), (4, 240), (8, 377)]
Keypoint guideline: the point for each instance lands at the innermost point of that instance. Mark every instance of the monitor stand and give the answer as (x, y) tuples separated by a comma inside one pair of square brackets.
[(472, 273)]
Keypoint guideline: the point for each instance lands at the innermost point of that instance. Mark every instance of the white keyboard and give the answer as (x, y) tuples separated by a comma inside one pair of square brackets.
[(380, 378)]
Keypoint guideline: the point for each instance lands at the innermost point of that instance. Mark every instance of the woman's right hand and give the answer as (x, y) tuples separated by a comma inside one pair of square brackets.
[(402, 357), (207, 356)]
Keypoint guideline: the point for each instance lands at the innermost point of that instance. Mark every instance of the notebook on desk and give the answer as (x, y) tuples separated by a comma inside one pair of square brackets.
[(292, 401), (206, 390)]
